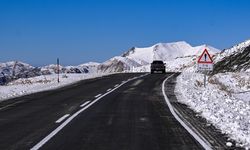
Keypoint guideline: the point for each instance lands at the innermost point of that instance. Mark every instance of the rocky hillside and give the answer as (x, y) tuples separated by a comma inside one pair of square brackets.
[(16, 69), (235, 59)]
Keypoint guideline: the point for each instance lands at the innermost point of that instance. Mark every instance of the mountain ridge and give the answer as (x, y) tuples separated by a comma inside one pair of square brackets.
[(178, 56)]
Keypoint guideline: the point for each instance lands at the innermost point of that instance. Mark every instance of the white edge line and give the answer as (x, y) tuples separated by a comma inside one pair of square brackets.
[(98, 95), (62, 118), (84, 104), (59, 128), (204, 144)]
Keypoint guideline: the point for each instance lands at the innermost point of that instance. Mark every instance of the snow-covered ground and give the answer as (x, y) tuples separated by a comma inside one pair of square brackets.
[(24, 86), (225, 102)]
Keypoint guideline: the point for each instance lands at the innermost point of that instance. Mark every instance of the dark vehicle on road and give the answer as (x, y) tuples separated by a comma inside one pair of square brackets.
[(158, 65)]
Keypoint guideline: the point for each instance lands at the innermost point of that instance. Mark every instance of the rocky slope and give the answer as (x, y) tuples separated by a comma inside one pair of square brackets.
[(15, 69), (235, 59)]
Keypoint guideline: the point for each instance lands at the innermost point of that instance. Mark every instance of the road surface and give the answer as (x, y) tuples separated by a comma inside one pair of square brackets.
[(107, 113)]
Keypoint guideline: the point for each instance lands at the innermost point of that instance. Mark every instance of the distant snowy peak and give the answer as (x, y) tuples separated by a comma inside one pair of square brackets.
[(18, 69), (166, 52), (178, 55), (90, 64), (53, 68), (16, 64)]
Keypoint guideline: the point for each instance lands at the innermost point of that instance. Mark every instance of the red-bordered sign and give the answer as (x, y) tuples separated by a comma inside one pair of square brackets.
[(205, 58)]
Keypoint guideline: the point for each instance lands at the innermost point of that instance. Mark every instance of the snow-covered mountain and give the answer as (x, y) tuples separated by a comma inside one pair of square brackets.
[(166, 52), (17, 69), (177, 56), (90, 67)]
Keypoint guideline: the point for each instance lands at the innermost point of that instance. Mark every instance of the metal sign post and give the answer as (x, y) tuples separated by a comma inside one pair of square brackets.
[(205, 79), (205, 64)]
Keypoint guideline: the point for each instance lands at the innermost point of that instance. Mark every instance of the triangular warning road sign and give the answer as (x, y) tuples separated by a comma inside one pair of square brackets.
[(205, 58)]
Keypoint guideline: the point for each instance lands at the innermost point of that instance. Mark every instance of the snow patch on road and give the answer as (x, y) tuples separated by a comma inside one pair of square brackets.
[(224, 102)]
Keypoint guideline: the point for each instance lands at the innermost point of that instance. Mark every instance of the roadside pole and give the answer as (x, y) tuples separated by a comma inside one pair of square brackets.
[(58, 69)]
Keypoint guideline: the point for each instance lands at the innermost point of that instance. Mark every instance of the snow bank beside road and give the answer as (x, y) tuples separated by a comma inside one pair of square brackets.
[(26, 86), (224, 102)]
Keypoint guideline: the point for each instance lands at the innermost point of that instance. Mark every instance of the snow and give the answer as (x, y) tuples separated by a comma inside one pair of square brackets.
[(128, 62), (167, 52), (90, 64), (229, 144), (178, 56), (20, 67), (224, 102), (26, 86), (12, 63), (92, 67)]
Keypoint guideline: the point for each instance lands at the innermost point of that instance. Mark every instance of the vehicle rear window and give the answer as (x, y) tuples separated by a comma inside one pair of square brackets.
[(157, 62)]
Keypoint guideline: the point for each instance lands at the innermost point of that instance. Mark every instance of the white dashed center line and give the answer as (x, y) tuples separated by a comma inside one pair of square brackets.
[(84, 104), (67, 121), (62, 118), (98, 95)]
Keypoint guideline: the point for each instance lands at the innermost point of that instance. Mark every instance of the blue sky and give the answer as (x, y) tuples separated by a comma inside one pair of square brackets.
[(39, 31)]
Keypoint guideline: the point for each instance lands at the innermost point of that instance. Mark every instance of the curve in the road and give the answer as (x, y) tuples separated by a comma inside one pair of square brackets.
[(199, 139)]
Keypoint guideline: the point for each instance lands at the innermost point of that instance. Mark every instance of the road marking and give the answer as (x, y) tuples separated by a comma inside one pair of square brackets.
[(98, 95), (62, 118), (116, 85), (84, 104), (199, 139), (67, 121), (109, 90), (137, 82)]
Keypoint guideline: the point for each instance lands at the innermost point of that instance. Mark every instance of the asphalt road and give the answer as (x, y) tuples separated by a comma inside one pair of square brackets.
[(131, 116), (26, 120)]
